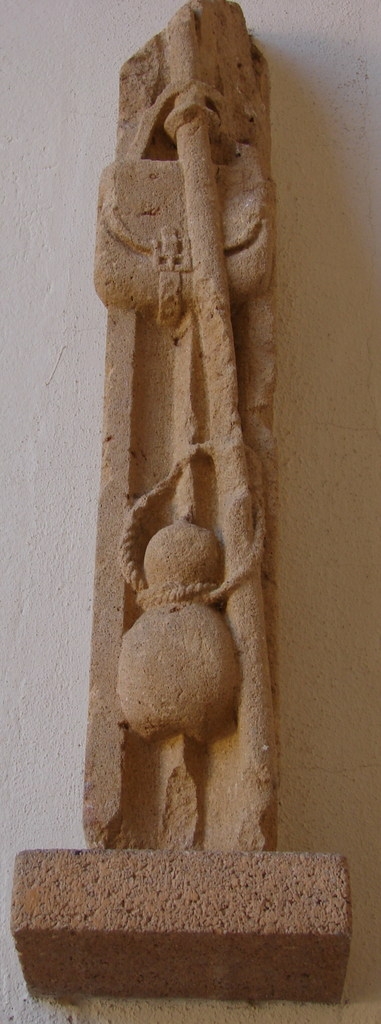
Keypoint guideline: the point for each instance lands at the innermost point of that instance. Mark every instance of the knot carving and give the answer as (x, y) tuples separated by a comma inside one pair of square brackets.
[(150, 591)]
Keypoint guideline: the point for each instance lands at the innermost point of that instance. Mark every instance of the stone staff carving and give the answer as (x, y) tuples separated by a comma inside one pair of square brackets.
[(184, 263)]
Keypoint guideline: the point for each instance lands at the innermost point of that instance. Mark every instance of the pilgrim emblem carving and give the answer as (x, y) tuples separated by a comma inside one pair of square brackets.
[(184, 264)]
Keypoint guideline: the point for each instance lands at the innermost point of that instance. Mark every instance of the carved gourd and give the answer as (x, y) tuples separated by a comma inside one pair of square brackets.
[(178, 671)]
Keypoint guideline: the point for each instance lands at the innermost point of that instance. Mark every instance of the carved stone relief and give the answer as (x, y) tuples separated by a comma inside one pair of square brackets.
[(185, 255), (180, 791)]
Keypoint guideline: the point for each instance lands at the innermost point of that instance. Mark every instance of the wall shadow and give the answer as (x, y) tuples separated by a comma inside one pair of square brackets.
[(330, 492)]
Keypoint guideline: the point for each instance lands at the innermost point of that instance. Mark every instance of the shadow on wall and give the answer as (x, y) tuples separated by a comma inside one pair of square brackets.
[(329, 444)]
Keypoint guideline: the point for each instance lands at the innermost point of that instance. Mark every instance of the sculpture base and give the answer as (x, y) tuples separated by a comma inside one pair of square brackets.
[(130, 923)]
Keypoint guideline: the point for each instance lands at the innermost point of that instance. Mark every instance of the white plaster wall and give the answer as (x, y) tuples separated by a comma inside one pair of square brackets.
[(58, 113)]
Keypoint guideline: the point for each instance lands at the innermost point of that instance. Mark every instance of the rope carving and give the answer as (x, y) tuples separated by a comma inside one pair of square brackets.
[(207, 592)]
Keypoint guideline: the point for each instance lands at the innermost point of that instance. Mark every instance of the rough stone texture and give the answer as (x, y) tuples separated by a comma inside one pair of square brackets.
[(181, 738), (234, 926)]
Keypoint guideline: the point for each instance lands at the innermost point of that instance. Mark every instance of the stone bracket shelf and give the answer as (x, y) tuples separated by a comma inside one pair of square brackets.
[(258, 926)]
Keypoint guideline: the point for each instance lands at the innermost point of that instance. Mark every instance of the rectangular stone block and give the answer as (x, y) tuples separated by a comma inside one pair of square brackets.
[(257, 926)]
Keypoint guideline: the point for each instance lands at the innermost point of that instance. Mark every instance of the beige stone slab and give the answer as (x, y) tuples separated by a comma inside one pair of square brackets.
[(181, 742), (191, 924)]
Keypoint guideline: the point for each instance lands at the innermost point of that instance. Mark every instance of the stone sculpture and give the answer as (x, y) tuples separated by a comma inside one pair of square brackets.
[(185, 264), (180, 895)]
